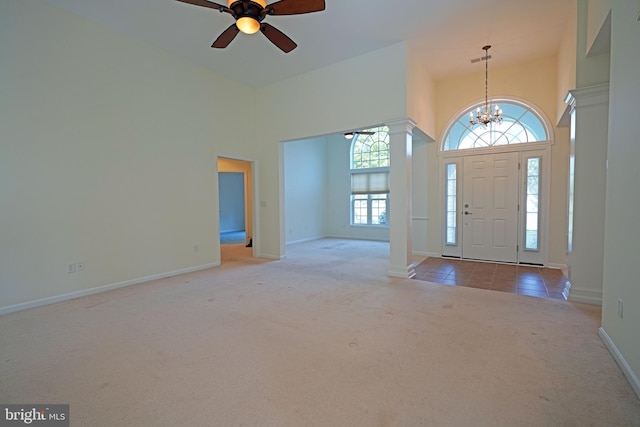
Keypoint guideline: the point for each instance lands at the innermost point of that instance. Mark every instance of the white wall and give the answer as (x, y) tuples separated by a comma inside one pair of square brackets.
[(328, 100), (305, 178), (591, 69), (421, 198), (421, 109), (103, 157), (622, 233), (597, 12)]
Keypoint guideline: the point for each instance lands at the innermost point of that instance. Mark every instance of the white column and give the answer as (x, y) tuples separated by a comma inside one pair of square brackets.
[(587, 191), (400, 145)]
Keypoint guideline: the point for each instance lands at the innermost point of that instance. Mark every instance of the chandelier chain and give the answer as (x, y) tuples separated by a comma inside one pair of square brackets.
[(487, 116)]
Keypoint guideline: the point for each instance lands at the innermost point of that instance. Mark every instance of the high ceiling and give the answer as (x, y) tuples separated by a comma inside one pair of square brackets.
[(446, 34)]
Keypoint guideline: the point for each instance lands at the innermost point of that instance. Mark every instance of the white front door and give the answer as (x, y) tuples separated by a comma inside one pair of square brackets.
[(490, 207)]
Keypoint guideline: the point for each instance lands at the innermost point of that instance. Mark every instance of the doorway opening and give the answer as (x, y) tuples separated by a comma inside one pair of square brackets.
[(496, 185), (235, 204)]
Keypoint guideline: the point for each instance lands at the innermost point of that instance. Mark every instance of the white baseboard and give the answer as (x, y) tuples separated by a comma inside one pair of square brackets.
[(402, 272), (269, 256), (585, 296), (557, 266), (626, 369), (307, 239), (420, 253), (429, 254), (433, 254), (99, 289)]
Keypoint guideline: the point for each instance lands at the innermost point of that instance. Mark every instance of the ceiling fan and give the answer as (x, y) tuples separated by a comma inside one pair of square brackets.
[(350, 135), (250, 13)]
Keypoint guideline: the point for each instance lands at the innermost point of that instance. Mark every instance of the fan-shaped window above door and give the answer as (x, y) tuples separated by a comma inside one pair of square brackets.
[(520, 124)]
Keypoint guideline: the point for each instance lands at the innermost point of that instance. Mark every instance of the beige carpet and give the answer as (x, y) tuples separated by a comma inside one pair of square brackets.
[(322, 338)]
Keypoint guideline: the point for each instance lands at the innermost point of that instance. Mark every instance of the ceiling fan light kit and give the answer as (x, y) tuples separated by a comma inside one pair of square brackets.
[(250, 13), (246, 21)]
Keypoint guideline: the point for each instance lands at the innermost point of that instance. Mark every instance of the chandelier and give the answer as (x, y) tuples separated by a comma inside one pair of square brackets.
[(486, 116)]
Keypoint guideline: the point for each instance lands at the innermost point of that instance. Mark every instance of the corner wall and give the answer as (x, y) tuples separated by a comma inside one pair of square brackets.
[(107, 167), (622, 233), (325, 101)]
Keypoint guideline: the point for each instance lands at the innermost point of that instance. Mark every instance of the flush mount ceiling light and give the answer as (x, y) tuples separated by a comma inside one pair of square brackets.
[(250, 13), (486, 116)]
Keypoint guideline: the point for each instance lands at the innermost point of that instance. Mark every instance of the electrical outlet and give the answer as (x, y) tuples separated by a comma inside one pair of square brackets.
[(195, 248), (620, 308), (71, 267), (80, 266)]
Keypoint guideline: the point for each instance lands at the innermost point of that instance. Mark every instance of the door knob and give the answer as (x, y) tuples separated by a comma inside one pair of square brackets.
[(467, 213)]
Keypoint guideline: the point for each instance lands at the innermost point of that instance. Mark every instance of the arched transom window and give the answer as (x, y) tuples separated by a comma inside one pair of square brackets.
[(371, 151), (520, 124)]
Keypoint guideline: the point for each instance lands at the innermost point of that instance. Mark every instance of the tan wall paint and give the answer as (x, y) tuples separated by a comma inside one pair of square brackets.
[(534, 82), (420, 95), (566, 68)]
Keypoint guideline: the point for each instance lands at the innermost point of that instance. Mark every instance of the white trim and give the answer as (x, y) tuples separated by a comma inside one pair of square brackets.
[(541, 256), (428, 254), (454, 250), (557, 266), (522, 147), (308, 239), (588, 96), (268, 256), (537, 149), (586, 296), (407, 272), (508, 99), (619, 358), (457, 156), (100, 289)]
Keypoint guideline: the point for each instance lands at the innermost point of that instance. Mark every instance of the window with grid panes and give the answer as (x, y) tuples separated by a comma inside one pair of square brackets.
[(370, 177)]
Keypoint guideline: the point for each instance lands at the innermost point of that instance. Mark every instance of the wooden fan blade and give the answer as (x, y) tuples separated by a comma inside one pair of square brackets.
[(205, 3), (226, 37), (278, 38), (294, 7)]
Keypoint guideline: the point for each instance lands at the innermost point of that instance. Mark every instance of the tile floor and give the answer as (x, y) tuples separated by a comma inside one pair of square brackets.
[(525, 280)]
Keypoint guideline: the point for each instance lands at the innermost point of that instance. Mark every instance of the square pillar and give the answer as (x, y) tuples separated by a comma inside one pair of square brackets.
[(587, 192), (401, 247)]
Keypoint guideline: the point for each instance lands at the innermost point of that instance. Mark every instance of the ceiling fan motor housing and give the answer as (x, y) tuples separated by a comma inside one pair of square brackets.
[(249, 8), (248, 14)]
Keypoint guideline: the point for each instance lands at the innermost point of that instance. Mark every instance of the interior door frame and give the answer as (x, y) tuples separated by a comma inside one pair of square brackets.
[(248, 168), (537, 149)]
